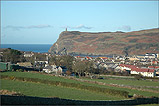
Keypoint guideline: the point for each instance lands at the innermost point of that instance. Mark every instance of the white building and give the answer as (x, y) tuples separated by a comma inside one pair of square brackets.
[(54, 69), (144, 72), (28, 54)]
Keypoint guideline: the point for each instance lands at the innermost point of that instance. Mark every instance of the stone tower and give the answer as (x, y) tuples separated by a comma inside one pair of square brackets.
[(66, 29)]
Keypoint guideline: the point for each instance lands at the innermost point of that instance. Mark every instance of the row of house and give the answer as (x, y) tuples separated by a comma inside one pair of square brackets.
[(147, 72), (149, 56)]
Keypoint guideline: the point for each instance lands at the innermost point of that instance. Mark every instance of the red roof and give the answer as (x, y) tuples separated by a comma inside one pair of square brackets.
[(154, 62), (104, 57), (135, 68), (78, 56), (156, 66), (88, 57), (143, 70), (151, 70), (129, 66), (153, 66)]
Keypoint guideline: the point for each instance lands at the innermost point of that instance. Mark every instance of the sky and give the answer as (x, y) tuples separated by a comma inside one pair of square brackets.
[(41, 22)]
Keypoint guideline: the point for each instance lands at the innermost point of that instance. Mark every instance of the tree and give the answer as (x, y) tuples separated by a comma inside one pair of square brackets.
[(68, 72), (13, 56), (82, 67), (65, 60)]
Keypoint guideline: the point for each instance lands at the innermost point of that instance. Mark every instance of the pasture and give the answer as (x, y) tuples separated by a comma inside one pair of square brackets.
[(62, 79), (43, 90)]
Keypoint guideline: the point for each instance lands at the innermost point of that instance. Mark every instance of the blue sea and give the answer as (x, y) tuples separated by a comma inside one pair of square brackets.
[(42, 48)]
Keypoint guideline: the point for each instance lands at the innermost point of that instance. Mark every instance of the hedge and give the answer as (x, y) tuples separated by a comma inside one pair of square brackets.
[(72, 85), (28, 100)]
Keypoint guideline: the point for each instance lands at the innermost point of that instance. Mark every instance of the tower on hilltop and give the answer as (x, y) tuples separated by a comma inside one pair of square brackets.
[(66, 29)]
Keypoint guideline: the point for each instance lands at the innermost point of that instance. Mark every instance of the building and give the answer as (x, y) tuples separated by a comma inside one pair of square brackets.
[(144, 72), (28, 54), (55, 69), (25, 64)]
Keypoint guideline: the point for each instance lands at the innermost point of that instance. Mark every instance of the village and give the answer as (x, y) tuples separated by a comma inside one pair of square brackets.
[(146, 65)]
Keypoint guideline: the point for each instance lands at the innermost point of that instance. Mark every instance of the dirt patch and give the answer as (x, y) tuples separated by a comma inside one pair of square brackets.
[(6, 92)]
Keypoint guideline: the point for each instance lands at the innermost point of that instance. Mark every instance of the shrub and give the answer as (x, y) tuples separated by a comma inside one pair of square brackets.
[(19, 70), (138, 77)]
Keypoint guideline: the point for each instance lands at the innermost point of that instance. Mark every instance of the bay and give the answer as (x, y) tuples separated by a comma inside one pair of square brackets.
[(42, 48)]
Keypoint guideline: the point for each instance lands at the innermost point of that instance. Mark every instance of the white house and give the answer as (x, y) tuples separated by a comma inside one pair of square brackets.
[(28, 54), (55, 69), (144, 72)]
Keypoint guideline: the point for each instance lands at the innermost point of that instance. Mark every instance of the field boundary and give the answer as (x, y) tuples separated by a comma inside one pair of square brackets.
[(114, 85), (28, 100)]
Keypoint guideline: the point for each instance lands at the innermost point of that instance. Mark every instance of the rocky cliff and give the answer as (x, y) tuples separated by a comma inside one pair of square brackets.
[(105, 43)]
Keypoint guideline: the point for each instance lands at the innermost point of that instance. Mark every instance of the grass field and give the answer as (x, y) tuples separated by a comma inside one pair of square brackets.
[(131, 82), (43, 90)]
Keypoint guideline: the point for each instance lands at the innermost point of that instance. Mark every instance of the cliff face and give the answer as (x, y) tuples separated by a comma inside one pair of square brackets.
[(105, 43)]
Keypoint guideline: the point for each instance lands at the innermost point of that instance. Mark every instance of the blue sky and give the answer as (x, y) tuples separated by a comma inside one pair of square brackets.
[(41, 22)]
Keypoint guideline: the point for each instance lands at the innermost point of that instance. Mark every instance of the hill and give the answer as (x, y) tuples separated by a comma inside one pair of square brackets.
[(106, 43)]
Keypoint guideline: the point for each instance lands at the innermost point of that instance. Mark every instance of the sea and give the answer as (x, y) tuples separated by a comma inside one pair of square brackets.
[(41, 48)]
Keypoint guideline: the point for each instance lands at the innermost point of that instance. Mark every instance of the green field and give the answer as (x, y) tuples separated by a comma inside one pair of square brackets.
[(43, 90), (131, 81), (53, 78)]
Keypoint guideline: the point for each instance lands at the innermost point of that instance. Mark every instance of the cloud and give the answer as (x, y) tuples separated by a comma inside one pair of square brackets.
[(125, 28), (40, 26), (81, 26), (27, 27)]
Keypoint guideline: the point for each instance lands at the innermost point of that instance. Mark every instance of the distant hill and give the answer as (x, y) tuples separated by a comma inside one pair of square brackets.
[(105, 43)]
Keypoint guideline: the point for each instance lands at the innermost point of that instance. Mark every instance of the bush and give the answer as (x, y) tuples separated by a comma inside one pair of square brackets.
[(19, 70), (138, 77)]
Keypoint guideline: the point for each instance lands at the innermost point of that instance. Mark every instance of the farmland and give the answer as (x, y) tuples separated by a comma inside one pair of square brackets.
[(148, 84), (45, 90)]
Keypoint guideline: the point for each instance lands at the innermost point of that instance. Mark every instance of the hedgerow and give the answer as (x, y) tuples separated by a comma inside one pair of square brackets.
[(71, 85)]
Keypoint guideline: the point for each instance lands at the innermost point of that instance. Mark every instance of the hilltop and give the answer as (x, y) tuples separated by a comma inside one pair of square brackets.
[(106, 43)]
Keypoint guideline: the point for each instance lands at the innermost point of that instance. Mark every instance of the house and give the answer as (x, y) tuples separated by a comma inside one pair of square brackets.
[(55, 69), (40, 63), (88, 58), (157, 55), (144, 72), (147, 72), (25, 64), (141, 56), (47, 69), (150, 55), (28, 54), (155, 67), (155, 62), (145, 62), (126, 67), (79, 58), (133, 59)]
